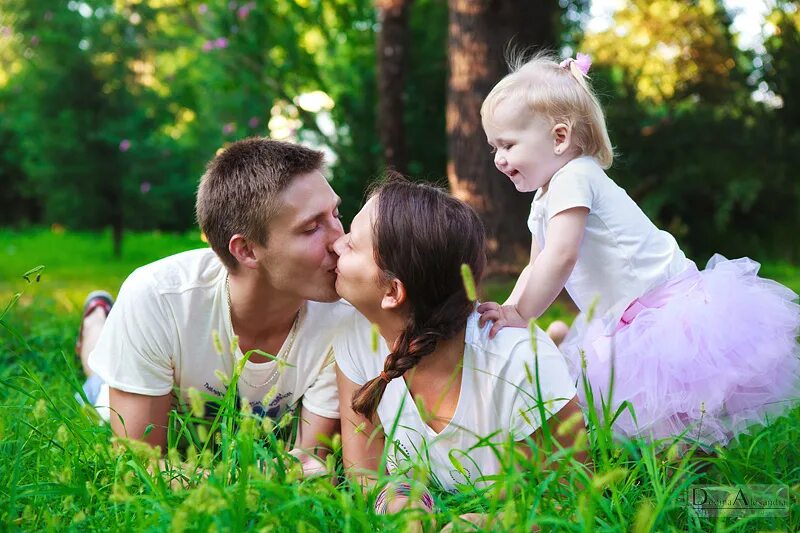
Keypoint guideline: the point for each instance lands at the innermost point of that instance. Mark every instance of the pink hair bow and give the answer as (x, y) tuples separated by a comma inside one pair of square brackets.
[(583, 61)]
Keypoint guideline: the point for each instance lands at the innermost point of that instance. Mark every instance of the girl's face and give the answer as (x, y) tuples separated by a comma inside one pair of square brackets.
[(527, 149), (358, 277)]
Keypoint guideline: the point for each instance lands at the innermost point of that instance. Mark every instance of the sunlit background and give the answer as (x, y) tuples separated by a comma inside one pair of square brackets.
[(110, 109)]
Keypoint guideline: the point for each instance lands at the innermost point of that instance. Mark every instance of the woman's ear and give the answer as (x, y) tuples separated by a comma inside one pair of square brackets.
[(562, 138), (242, 250), (394, 295)]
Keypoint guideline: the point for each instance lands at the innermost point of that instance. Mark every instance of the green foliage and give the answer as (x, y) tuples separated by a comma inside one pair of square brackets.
[(704, 159), (110, 109)]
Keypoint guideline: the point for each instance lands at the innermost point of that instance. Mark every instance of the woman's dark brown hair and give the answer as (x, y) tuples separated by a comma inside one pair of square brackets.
[(422, 236)]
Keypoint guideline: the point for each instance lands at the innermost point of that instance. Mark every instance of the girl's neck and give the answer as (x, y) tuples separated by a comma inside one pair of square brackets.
[(569, 157)]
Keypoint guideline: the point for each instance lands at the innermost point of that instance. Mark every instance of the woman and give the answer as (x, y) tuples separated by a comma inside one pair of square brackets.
[(437, 383)]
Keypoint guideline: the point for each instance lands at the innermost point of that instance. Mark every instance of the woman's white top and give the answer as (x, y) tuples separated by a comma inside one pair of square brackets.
[(497, 401)]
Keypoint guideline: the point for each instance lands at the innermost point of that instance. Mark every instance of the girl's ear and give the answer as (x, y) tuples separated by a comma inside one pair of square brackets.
[(562, 138), (242, 250), (394, 295)]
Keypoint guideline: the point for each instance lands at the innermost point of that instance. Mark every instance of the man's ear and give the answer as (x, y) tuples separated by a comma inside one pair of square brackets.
[(562, 138), (242, 249), (394, 296)]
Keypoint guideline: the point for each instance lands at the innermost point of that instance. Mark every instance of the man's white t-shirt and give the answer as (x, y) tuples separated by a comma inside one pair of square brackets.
[(496, 400), (623, 254), (160, 335)]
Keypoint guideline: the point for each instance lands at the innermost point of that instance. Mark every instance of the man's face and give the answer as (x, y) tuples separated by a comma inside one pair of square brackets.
[(298, 258)]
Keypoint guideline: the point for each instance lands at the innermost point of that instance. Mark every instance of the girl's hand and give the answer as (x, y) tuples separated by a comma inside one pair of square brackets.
[(502, 315)]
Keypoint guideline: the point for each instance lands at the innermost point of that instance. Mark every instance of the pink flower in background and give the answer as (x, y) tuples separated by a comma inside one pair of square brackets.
[(34, 40), (221, 42), (144, 187), (208, 46), (202, 9), (228, 128), (253, 122), (245, 10), (124, 145), (5, 31)]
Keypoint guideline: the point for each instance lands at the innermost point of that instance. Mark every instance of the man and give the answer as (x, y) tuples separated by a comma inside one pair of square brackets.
[(271, 219)]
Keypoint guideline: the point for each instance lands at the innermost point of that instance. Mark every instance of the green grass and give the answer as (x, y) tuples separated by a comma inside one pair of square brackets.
[(77, 262), (58, 469)]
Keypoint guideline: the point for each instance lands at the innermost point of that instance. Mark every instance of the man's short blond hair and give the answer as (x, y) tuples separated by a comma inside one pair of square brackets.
[(239, 191)]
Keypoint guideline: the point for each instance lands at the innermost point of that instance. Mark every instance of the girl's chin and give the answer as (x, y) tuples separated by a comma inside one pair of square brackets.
[(524, 187)]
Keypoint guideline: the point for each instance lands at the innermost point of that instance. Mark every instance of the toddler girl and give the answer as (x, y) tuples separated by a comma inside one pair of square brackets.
[(697, 354)]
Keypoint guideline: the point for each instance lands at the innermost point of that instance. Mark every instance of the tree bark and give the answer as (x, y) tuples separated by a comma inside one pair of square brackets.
[(479, 32), (393, 40)]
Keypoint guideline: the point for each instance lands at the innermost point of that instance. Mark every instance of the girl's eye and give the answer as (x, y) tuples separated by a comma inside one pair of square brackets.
[(508, 147)]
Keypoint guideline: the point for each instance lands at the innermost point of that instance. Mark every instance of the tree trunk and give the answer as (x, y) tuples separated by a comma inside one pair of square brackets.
[(393, 40), (479, 31)]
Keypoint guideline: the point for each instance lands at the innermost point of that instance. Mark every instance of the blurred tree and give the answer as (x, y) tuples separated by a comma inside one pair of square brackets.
[(426, 136), (693, 146), (781, 75), (392, 52), (64, 116), (670, 49), (479, 32)]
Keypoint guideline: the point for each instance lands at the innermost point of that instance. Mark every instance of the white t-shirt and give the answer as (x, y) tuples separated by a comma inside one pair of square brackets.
[(623, 253), (496, 399), (160, 336)]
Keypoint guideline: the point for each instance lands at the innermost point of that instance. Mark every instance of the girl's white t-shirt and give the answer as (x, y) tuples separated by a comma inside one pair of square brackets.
[(496, 401), (160, 334), (623, 253)]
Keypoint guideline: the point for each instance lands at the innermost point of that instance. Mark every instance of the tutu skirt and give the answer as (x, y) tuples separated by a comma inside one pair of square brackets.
[(703, 356)]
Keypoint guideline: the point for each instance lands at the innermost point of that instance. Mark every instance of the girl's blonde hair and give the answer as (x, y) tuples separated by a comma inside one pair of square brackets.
[(562, 94)]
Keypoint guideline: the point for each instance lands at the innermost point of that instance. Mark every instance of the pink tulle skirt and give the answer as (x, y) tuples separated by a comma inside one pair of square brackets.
[(702, 357)]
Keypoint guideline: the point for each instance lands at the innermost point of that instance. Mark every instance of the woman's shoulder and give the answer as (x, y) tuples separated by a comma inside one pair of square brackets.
[(511, 348), (358, 349), (517, 365)]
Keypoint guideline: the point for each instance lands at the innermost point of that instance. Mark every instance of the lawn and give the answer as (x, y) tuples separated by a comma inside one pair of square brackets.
[(58, 469)]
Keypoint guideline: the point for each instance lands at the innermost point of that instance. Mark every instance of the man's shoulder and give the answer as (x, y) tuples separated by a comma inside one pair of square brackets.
[(329, 316), (181, 271)]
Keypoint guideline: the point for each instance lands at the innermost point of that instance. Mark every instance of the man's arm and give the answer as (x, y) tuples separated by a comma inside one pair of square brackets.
[(132, 413)]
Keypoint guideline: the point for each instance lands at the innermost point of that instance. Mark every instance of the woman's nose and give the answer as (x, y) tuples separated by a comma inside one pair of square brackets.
[(338, 245)]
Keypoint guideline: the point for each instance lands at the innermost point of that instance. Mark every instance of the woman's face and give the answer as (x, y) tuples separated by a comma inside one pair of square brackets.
[(358, 277)]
